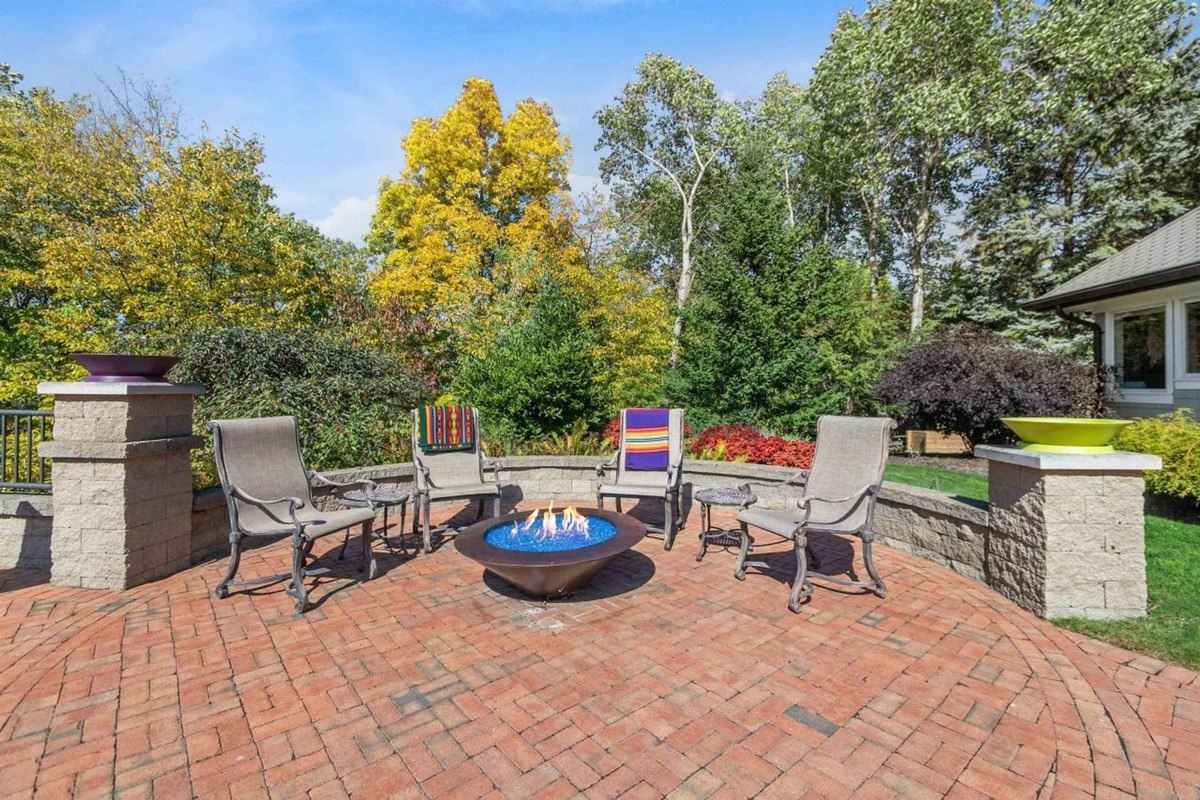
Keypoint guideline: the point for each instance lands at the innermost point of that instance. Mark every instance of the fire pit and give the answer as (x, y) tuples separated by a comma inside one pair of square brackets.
[(549, 553)]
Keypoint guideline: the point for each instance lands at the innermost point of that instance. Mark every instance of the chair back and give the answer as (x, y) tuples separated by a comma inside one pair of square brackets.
[(851, 454), (260, 457), (451, 468), (675, 443)]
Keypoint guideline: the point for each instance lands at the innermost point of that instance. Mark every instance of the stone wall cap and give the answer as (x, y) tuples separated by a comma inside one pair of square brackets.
[(117, 451), (1054, 462), (97, 389)]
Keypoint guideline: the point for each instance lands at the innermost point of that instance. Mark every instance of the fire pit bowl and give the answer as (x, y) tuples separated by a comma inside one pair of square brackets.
[(548, 553)]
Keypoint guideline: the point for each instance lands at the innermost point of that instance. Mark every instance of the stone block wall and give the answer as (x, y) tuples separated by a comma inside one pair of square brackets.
[(1059, 542), (1069, 543), (25, 523), (122, 483)]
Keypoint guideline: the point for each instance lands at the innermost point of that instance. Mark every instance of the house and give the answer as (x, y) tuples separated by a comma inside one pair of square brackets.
[(1145, 305)]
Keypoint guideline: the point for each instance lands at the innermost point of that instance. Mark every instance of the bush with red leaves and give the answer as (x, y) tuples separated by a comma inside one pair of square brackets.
[(744, 443)]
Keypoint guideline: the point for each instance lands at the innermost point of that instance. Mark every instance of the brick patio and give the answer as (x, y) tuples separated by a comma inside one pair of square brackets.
[(666, 678)]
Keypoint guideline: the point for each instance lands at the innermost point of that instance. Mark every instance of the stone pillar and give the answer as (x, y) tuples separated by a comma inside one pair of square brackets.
[(1067, 532), (122, 482)]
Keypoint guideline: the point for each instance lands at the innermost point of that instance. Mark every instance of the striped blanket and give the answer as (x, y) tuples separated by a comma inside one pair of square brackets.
[(442, 429), (647, 439)]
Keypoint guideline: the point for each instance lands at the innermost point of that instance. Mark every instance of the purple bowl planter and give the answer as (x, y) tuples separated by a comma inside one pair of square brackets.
[(121, 368)]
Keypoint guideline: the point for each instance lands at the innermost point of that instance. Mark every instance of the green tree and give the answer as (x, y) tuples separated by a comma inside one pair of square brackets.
[(1096, 142), (662, 137), (541, 375), (781, 330), (111, 220), (900, 89)]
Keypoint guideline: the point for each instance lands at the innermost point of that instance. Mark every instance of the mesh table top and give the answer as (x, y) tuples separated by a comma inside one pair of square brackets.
[(378, 496), (725, 496)]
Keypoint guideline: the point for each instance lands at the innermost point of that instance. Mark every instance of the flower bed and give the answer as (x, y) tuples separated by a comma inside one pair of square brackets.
[(744, 443)]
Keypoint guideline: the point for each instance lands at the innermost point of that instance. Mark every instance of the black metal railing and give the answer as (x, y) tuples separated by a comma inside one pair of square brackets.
[(21, 468)]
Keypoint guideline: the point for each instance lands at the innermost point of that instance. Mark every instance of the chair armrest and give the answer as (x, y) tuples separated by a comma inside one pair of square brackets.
[(794, 479), (419, 465), (606, 465), (791, 480), (294, 504), (806, 501), (366, 485), (494, 466)]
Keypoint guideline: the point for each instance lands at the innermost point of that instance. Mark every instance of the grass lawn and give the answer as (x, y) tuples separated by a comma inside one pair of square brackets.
[(1171, 631)]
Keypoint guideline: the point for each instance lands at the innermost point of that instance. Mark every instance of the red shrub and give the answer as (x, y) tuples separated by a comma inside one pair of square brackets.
[(744, 443)]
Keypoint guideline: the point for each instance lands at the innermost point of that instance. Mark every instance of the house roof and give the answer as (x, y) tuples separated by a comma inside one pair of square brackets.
[(1169, 255)]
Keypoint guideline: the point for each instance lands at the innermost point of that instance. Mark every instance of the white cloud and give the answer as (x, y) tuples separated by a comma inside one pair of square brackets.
[(350, 219)]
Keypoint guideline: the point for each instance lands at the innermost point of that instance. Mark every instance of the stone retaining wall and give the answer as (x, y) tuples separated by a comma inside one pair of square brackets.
[(952, 531), (25, 523)]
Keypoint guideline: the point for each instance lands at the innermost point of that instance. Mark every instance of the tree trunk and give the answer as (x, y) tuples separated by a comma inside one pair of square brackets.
[(685, 286)]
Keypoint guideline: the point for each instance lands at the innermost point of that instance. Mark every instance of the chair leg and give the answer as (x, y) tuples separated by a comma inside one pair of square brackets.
[(880, 589), (496, 506), (739, 569), (599, 500), (297, 589), (426, 535), (235, 558), (668, 523), (369, 564), (617, 503), (479, 508), (802, 588)]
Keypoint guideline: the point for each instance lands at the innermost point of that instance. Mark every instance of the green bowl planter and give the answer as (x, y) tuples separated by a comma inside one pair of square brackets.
[(1065, 434)]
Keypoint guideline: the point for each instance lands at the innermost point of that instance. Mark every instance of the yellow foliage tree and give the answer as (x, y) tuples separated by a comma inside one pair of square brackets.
[(480, 214), (479, 193), (110, 223)]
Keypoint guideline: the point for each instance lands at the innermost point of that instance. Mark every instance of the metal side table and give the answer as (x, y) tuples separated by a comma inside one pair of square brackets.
[(730, 496), (381, 498)]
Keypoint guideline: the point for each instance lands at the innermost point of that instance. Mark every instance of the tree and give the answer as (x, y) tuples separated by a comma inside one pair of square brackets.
[(1096, 142), (901, 88), (478, 194), (666, 130), (542, 374), (781, 330), (111, 221)]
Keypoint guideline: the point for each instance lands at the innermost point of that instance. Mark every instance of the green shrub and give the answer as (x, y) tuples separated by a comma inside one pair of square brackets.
[(541, 376), (1176, 438), (352, 402)]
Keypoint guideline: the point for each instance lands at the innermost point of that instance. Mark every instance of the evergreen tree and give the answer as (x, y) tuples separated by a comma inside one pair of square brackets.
[(1096, 142), (780, 329), (542, 374)]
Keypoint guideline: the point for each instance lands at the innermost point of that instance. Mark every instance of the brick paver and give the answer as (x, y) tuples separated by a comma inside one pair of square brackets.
[(664, 678)]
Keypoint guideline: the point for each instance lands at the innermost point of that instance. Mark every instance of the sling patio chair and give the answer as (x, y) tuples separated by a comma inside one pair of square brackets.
[(451, 469), (268, 491), (838, 497), (649, 463)]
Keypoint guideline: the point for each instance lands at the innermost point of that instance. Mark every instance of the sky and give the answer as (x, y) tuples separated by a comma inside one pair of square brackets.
[(331, 88)]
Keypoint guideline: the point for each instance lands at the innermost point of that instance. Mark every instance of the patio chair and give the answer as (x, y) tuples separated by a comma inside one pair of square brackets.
[(658, 478), (451, 475), (838, 498), (268, 492)]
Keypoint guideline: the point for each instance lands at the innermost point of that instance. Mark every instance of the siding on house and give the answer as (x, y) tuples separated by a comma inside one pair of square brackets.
[(1183, 398)]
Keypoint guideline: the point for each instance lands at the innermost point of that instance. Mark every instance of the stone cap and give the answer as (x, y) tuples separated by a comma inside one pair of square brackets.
[(1074, 462), (117, 451), (99, 389)]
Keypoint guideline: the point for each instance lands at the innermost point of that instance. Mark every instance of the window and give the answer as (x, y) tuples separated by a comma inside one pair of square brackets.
[(1191, 333), (1140, 341)]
